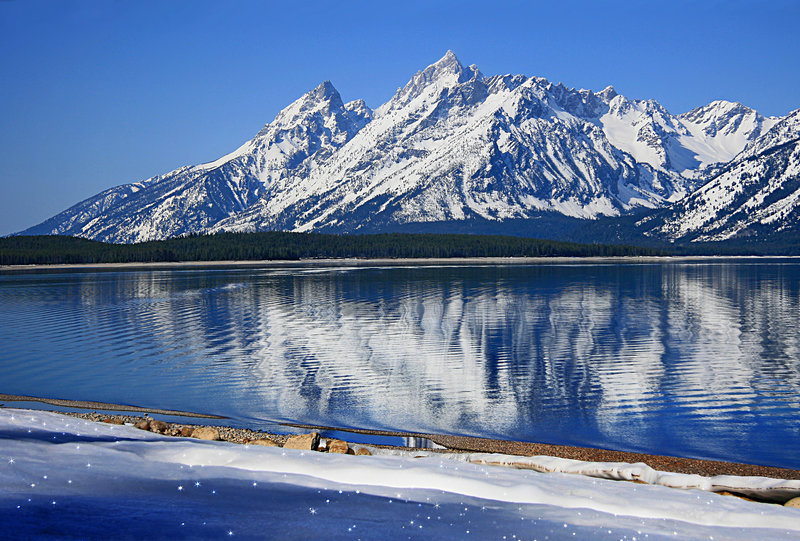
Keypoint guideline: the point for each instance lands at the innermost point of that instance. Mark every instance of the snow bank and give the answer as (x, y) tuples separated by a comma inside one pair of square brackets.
[(64, 475), (763, 488)]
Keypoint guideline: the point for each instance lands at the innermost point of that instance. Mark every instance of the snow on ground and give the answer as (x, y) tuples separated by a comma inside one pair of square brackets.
[(63, 477)]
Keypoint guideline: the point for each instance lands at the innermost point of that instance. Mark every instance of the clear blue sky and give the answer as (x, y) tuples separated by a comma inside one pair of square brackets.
[(99, 93)]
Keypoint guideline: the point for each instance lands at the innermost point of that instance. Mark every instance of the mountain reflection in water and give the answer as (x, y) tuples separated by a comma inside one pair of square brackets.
[(697, 359)]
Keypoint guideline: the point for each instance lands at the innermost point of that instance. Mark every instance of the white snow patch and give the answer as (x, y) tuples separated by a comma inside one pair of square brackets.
[(129, 456)]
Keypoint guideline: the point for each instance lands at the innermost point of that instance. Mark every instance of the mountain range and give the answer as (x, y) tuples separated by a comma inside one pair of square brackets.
[(456, 150)]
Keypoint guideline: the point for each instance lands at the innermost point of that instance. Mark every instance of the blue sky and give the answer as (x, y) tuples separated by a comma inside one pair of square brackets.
[(99, 93)]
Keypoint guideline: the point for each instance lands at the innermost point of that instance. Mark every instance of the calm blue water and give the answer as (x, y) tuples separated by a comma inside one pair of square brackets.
[(687, 358)]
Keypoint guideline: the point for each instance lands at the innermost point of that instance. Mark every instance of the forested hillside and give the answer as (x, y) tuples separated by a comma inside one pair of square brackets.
[(292, 246)]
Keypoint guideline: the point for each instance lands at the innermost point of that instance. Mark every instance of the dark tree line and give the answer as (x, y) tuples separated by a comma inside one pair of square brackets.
[(293, 246)]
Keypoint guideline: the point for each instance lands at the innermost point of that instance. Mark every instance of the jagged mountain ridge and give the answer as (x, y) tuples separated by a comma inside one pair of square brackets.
[(452, 144), (757, 194), (191, 199)]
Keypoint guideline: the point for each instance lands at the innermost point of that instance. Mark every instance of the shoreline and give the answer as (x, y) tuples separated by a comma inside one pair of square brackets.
[(450, 443), (691, 466), (91, 405), (66, 474), (357, 262)]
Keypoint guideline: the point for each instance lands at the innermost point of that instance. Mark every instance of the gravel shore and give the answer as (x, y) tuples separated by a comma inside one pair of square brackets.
[(707, 468), (450, 443)]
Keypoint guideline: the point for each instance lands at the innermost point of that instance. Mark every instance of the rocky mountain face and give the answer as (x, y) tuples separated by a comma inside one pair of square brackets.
[(452, 145), (757, 194), (192, 199)]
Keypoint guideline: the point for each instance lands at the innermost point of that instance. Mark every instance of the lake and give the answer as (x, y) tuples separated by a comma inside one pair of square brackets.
[(697, 358)]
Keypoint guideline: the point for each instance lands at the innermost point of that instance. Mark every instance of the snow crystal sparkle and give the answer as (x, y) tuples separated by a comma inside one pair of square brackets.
[(454, 490)]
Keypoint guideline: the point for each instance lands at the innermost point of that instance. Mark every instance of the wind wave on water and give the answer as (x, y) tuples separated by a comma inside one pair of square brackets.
[(692, 359)]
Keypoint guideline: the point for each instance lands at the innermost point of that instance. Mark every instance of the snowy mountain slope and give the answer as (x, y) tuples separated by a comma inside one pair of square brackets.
[(188, 199), (686, 143), (191, 199), (721, 129), (451, 144), (756, 194)]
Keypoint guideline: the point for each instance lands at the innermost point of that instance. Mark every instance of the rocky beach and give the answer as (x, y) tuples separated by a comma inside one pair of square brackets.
[(784, 487), (91, 475)]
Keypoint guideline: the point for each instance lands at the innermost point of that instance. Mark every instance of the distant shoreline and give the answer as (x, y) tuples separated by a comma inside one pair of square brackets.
[(358, 262), (90, 405)]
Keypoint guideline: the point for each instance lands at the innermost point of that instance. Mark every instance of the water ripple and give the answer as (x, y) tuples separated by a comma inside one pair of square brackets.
[(691, 359)]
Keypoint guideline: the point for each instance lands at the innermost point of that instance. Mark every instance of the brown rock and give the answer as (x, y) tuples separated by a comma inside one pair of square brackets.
[(186, 431), (142, 425), (307, 442), (263, 442), (338, 446), (726, 493), (794, 502), (206, 433), (113, 421), (363, 452), (158, 426)]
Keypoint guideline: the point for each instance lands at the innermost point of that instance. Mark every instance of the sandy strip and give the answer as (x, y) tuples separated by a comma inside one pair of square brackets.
[(386, 261), (84, 404)]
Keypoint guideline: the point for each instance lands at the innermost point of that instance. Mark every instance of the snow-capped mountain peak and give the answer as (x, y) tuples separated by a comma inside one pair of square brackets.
[(324, 92), (445, 73), (316, 114), (308, 131), (647, 131), (323, 100), (451, 144), (446, 67), (756, 194), (720, 130), (686, 143), (358, 107), (721, 116), (607, 94), (781, 131)]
